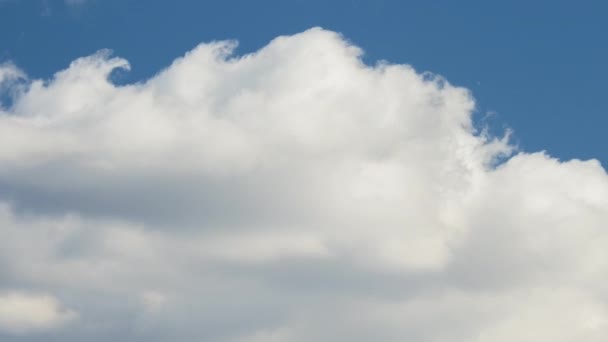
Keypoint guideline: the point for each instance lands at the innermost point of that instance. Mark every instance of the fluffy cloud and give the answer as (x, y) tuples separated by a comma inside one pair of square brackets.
[(22, 313), (293, 194)]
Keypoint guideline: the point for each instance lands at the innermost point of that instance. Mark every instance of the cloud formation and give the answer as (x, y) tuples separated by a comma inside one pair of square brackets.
[(293, 194), (22, 313)]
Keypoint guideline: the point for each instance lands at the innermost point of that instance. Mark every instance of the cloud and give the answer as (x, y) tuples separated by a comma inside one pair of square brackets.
[(10, 79), (9, 72), (22, 313), (292, 194)]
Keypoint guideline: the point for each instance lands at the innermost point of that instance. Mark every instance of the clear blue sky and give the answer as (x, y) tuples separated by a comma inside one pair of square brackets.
[(540, 65)]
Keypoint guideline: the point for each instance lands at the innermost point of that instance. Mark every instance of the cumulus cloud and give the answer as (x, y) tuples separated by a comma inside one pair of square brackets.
[(22, 313), (292, 194)]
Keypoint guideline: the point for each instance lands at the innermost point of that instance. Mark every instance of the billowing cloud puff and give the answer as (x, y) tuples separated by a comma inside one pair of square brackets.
[(22, 313), (293, 194)]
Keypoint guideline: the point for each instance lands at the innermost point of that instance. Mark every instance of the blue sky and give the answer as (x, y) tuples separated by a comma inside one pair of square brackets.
[(539, 65)]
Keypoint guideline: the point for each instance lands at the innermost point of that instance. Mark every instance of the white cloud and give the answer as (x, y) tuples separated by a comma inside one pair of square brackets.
[(293, 194), (23, 313), (9, 72)]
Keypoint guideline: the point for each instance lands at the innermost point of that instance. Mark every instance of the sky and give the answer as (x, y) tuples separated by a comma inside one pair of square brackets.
[(537, 67), (290, 171)]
